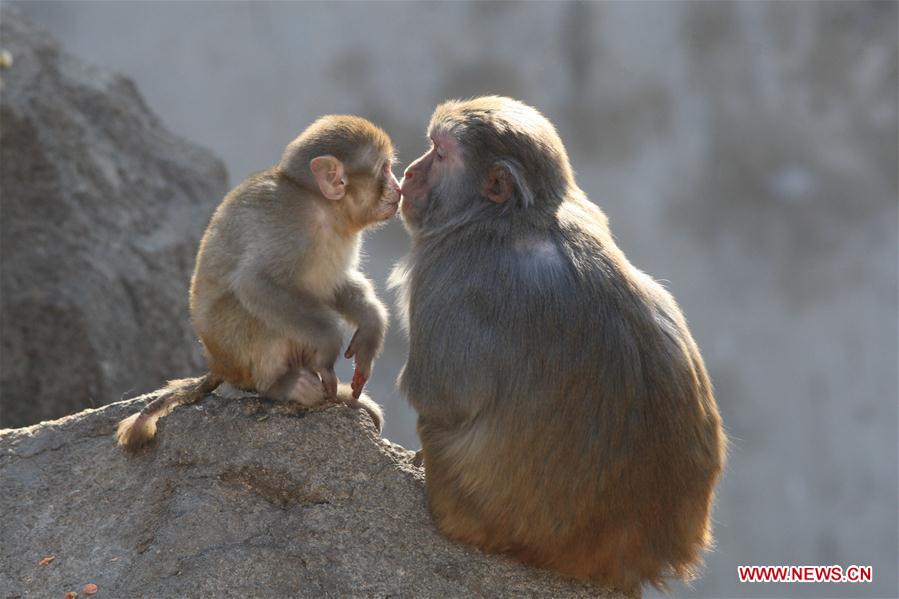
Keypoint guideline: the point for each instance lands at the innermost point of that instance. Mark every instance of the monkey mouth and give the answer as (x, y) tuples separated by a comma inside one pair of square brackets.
[(391, 200), (392, 206), (389, 209)]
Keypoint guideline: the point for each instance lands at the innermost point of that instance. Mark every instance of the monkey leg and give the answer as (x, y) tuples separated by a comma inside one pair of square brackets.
[(273, 367), (456, 513), (299, 385), (455, 517), (304, 387), (280, 372)]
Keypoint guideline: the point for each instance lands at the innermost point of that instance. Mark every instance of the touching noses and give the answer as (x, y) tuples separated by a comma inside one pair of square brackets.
[(408, 175), (394, 182)]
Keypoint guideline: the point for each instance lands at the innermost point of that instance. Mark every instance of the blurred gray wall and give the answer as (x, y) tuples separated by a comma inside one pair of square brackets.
[(746, 153)]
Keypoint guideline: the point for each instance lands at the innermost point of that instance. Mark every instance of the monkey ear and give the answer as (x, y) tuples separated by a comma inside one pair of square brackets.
[(329, 175), (498, 184)]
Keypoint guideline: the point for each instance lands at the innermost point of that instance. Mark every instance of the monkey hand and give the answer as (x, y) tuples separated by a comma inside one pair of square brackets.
[(329, 380), (363, 348)]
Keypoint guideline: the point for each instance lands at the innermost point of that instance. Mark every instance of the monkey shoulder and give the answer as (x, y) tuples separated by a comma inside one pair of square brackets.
[(251, 205), (490, 283), (264, 224), (271, 194)]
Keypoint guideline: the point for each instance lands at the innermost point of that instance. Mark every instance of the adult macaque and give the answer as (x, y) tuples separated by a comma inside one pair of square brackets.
[(564, 410), (277, 270)]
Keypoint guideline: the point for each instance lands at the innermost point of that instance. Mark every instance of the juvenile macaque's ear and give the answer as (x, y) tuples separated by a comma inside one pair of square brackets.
[(329, 175), (498, 185)]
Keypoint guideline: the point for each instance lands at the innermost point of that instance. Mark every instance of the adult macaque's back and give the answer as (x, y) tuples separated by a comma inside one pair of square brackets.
[(564, 410)]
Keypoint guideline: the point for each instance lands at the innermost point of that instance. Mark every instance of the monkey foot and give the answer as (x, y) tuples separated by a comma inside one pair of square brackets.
[(307, 390)]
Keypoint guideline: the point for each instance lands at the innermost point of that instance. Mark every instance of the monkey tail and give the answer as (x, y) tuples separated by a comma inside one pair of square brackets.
[(364, 402), (139, 429)]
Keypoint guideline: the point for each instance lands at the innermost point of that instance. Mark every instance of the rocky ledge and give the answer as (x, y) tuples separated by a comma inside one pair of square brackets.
[(236, 497)]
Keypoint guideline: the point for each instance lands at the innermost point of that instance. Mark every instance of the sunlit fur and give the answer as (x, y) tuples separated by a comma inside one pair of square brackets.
[(138, 430), (564, 410), (278, 270)]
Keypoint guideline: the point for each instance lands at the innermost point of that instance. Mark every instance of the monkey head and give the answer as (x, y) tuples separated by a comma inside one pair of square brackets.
[(490, 156), (348, 160)]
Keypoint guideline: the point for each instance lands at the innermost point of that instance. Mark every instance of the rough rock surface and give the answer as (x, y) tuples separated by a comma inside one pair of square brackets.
[(102, 211), (237, 497)]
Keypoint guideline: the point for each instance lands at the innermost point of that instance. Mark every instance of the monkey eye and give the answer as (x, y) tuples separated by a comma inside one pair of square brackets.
[(436, 147)]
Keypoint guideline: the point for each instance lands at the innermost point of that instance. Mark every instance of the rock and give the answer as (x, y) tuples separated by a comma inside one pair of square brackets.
[(235, 498), (102, 211)]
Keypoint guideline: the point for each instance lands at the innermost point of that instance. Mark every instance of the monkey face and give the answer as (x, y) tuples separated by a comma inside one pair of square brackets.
[(388, 200), (375, 197), (443, 161)]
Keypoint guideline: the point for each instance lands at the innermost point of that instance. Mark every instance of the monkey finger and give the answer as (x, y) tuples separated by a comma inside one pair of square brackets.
[(329, 382), (358, 383), (351, 348)]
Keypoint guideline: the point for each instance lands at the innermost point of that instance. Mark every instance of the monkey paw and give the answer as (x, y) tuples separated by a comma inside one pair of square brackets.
[(307, 390)]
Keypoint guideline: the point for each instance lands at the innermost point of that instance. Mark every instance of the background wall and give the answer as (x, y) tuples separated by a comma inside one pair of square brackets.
[(746, 153)]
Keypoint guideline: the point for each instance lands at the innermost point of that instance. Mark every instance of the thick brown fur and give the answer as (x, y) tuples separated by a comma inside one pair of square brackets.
[(138, 430), (277, 273), (564, 410)]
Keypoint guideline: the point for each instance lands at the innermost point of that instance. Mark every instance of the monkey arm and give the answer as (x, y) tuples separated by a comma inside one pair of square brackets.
[(301, 315), (356, 300)]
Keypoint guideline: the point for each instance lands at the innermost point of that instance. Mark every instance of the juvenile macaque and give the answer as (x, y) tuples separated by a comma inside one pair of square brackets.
[(277, 271), (564, 410)]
